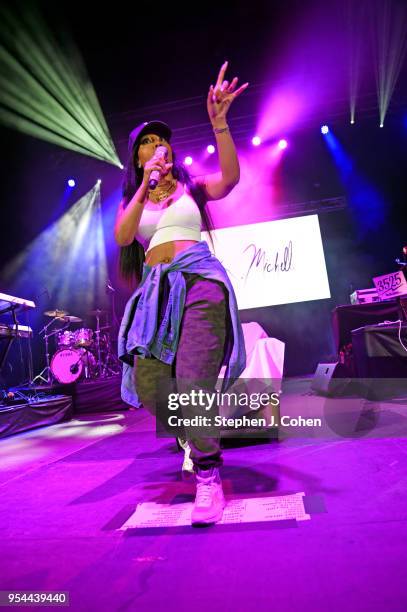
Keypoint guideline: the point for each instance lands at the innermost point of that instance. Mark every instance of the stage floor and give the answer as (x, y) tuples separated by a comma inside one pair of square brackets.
[(66, 489)]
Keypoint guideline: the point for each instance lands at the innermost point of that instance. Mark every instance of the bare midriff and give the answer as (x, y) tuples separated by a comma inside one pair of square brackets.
[(165, 252)]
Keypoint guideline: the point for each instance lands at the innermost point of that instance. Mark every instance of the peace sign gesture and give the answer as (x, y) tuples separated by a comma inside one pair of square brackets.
[(221, 97)]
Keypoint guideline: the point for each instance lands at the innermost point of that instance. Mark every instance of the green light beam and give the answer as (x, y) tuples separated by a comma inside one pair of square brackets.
[(389, 48), (45, 90)]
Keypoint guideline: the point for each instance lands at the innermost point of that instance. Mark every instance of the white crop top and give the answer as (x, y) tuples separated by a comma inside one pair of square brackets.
[(180, 221)]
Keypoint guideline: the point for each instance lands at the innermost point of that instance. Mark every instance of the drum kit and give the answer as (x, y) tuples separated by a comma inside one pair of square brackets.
[(79, 354)]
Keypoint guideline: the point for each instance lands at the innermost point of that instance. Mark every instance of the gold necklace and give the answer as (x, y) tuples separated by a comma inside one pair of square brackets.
[(158, 195)]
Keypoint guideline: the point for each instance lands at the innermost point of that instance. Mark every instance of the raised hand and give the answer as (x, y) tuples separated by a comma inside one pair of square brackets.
[(221, 97)]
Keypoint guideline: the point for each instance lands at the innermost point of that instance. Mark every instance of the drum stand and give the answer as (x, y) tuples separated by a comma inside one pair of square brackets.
[(97, 334), (112, 365), (46, 375), (106, 365)]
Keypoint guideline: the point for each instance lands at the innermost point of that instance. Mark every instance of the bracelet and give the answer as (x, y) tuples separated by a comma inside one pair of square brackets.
[(220, 130)]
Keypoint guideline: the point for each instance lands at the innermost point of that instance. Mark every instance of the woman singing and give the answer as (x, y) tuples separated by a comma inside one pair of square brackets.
[(182, 321)]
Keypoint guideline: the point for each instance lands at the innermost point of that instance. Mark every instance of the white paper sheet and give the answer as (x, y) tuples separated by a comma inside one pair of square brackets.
[(249, 510)]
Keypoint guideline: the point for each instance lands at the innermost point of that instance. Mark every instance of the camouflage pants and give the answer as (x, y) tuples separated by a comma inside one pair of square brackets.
[(199, 355)]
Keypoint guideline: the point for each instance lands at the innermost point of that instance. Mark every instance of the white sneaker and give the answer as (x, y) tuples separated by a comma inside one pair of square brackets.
[(210, 501), (187, 465)]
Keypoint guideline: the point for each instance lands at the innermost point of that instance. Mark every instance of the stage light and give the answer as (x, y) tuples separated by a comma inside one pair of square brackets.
[(71, 183), (99, 181), (210, 149), (282, 144), (325, 129), (188, 160), (365, 201), (389, 49), (44, 88), (355, 12), (256, 141), (75, 243)]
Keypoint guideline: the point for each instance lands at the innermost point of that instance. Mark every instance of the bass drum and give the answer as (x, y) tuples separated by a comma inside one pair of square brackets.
[(69, 365)]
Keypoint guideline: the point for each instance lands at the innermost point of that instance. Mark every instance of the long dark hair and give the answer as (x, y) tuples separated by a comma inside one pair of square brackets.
[(132, 257)]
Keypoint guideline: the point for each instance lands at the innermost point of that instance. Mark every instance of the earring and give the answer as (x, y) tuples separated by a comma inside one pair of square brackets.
[(138, 165)]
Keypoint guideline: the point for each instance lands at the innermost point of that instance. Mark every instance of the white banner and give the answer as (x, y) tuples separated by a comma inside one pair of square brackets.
[(276, 262)]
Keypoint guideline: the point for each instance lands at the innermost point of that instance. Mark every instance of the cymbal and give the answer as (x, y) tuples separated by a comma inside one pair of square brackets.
[(55, 313), (72, 319), (97, 312)]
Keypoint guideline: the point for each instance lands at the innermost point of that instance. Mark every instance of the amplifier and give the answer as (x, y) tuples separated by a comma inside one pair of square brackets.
[(364, 296)]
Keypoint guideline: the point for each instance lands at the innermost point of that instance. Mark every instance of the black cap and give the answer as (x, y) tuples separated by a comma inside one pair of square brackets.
[(149, 127)]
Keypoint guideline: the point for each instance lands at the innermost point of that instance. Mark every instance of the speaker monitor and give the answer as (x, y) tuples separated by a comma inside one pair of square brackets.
[(330, 379)]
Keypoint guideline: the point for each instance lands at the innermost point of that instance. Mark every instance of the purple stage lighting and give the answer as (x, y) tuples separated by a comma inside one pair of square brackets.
[(210, 149), (282, 144), (188, 160), (256, 141), (324, 129), (71, 183)]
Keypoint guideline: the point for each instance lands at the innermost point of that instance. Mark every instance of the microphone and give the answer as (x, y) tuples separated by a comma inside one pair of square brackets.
[(155, 175)]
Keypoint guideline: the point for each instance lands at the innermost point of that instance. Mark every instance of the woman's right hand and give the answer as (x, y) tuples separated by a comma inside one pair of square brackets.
[(155, 163)]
